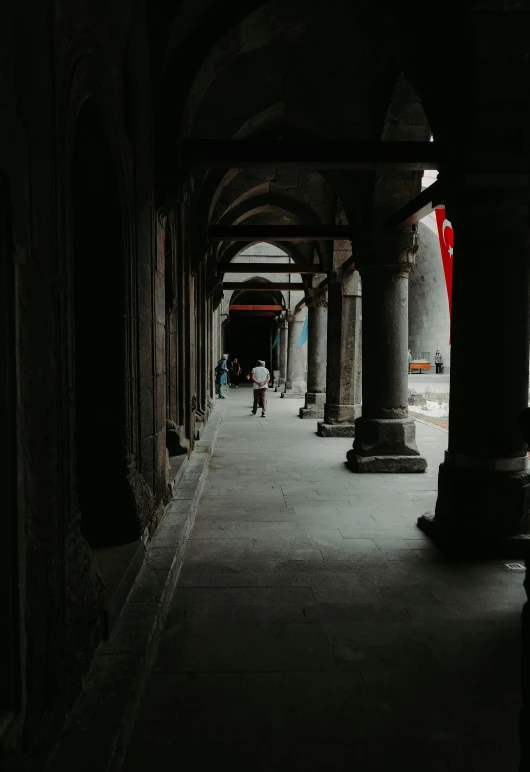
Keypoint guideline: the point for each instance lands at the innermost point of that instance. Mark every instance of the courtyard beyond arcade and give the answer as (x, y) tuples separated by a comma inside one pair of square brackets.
[(315, 627)]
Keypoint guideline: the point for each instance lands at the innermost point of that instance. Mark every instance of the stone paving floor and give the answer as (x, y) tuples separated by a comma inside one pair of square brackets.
[(314, 627), (420, 382)]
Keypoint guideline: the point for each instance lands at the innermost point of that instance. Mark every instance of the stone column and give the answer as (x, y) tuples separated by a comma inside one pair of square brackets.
[(276, 360), (283, 353), (484, 481), (315, 398), (296, 358), (385, 436), (524, 720), (343, 381)]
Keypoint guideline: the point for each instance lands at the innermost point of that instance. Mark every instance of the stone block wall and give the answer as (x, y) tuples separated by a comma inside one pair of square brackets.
[(54, 591), (428, 303)]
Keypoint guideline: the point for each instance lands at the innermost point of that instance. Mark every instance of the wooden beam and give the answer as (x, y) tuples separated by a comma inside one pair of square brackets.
[(255, 286), (267, 268), (264, 307), (347, 265), (291, 233), (422, 205), (246, 314), (311, 154)]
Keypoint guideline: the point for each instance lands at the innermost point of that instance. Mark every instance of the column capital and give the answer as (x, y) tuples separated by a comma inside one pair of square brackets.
[(292, 317), (349, 282), (387, 248), (386, 269), (316, 298)]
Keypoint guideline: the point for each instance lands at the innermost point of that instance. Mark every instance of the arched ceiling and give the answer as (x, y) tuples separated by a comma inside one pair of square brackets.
[(300, 253), (284, 69)]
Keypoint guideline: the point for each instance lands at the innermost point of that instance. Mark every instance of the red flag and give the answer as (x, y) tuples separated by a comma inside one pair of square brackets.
[(446, 236)]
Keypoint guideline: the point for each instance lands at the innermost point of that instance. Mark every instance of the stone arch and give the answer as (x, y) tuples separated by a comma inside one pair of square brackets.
[(108, 515), (240, 251), (268, 198), (349, 193), (188, 47), (405, 120), (268, 194), (293, 250), (274, 297), (249, 336)]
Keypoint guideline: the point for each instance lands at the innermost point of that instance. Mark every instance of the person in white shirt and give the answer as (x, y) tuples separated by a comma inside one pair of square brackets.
[(260, 379)]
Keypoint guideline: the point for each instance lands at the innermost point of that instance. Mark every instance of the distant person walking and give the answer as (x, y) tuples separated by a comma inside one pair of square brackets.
[(410, 359), (439, 362), (221, 375), (235, 372), (260, 379)]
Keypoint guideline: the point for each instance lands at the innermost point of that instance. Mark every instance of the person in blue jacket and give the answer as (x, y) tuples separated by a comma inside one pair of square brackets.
[(221, 375)]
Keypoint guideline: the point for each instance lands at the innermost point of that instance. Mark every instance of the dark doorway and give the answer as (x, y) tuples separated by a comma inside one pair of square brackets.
[(250, 333), (107, 511), (249, 338)]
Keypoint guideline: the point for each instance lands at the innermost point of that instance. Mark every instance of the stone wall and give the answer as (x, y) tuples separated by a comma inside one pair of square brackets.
[(428, 304), (80, 54)]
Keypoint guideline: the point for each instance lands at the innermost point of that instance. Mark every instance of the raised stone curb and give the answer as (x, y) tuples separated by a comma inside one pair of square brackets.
[(98, 731), (292, 395), (336, 430)]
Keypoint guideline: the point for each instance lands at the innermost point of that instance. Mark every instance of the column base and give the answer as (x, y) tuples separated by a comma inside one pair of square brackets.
[(335, 430), (389, 464), (385, 445), (314, 405), (341, 414), (297, 389), (480, 513), (474, 546), (339, 420), (176, 442), (313, 411)]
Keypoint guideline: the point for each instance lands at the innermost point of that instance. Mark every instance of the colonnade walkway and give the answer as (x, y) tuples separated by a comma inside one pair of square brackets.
[(315, 627)]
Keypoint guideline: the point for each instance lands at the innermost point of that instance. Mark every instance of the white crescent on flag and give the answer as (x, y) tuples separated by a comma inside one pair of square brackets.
[(447, 224)]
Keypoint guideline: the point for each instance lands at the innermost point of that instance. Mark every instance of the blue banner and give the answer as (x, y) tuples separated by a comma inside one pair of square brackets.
[(304, 333), (276, 340)]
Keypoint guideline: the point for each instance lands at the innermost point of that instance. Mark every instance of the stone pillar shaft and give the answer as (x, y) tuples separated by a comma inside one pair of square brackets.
[(295, 379), (315, 398), (385, 374), (343, 378), (484, 481), (385, 437), (283, 352), (276, 358)]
